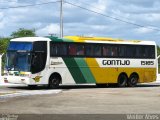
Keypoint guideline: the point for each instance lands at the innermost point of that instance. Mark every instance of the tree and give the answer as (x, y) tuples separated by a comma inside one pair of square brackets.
[(23, 33), (158, 50), (3, 44)]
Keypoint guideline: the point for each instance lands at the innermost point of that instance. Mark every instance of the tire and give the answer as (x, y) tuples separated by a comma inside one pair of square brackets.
[(101, 85), (122, 80), (133, 80), (54, 82)]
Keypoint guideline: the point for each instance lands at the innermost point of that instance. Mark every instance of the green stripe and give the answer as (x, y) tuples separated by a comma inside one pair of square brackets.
[(77, 66), (74, 70), (85, 70)]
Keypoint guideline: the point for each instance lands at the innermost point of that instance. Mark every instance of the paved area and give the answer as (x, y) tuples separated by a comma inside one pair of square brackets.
[(82, 99)]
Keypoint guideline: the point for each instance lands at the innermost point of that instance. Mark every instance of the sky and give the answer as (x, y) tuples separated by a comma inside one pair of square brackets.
[(45, 18)]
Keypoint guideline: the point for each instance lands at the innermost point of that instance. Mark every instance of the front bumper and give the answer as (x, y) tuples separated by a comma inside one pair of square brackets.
[(19, 80)]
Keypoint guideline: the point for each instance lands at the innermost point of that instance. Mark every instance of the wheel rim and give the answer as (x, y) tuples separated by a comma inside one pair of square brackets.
[(133, 80), (54, 83), (122, 80)]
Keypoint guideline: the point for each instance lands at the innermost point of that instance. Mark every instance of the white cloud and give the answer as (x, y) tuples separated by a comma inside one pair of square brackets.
[(77, 21), (49, 29), (153, 17), (99, 6), (144, 30)]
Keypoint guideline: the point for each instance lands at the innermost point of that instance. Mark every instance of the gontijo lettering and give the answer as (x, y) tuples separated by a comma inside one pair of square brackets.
[(116, 62)]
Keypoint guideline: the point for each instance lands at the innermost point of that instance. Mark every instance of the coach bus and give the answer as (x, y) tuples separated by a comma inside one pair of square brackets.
[(78, 60)]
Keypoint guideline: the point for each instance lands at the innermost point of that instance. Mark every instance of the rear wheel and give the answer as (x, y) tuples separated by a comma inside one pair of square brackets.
[(122, 80), (54, 82), (133, 80)]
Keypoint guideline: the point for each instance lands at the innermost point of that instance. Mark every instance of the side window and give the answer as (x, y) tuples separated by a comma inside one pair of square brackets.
[(80, 50), (72, 49), (89, 50), (107, 50), (152, 52), (114, 51), (97, 50), (93, 50), (142, 52), (58, 49), (61, 49), (76, 49), (147, 51), (122, 51), (131, 51)]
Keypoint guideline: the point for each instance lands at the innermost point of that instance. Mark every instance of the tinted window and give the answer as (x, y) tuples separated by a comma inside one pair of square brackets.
[(39, 56), (20, 46), (122, 51), (131, 52), (76, 49), (101, 50), (58, 49), (93, 50)]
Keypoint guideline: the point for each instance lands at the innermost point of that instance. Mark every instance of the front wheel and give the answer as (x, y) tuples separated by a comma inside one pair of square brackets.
[(54, 82), (133, 80)]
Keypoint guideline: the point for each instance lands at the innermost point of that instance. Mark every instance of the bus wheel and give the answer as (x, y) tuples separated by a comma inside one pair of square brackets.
[(54, 82), (122, 80), (133, 80)]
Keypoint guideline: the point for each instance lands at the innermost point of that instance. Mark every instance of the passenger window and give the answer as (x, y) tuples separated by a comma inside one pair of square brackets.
[(122, 50), (131, 52), (76, 49), (93, 50), (72, 49), (89, 50), (114, 51), (58, 49), (106, 50), (80, 50), (97, 50)]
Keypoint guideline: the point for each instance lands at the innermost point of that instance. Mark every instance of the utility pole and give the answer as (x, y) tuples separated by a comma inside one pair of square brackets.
[(61, 19)]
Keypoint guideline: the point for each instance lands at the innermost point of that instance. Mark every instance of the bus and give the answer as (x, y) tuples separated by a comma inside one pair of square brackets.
[(102, 61)]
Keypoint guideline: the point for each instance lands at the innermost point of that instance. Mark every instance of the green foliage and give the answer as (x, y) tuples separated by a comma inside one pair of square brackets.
[(23, 33), (4, 44), (158, 50)]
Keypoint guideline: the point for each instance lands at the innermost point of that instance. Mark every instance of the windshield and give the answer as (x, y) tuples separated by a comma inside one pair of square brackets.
[(19, 56), (26, 56), (18, 61), (20, 46)]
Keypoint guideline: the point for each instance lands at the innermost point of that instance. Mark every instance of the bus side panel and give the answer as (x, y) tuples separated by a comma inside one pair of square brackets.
[(57, 65), (110, 74), (102, 75), (79, 70), (149, 75)]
